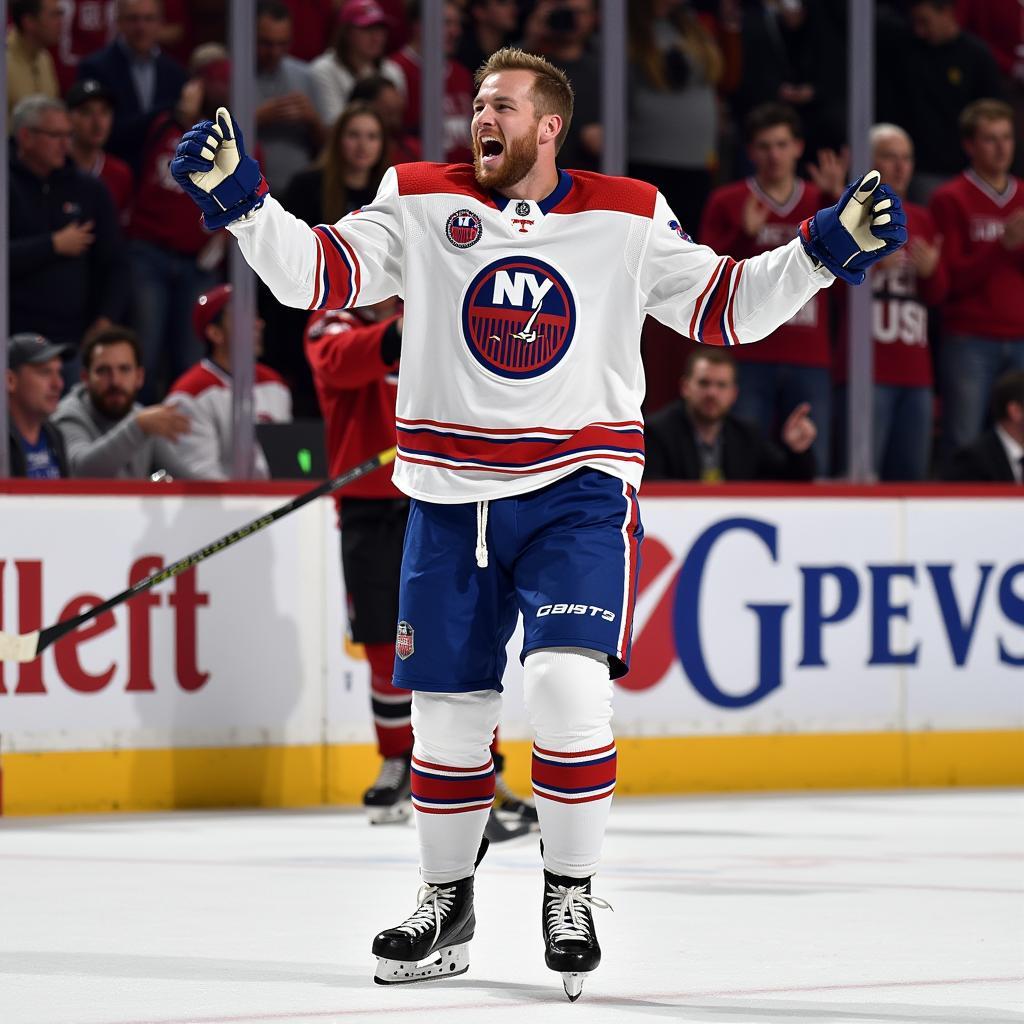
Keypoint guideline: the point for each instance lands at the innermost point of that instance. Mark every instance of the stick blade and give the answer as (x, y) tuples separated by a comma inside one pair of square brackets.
[(19, 647)]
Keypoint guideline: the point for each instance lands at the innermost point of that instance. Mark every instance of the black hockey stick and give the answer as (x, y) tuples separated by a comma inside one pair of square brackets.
[(28, 646)]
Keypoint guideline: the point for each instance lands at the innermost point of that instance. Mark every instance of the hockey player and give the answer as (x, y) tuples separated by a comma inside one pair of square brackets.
[(520, 441), (354, 356)]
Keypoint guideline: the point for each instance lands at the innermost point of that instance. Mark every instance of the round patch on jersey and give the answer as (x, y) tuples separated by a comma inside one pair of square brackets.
[(464, 229), (518, 317)]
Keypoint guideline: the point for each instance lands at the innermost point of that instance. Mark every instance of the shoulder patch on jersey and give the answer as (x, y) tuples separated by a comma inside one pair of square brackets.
[(464, 229), (592, 191), (439, 179), (678, 229)]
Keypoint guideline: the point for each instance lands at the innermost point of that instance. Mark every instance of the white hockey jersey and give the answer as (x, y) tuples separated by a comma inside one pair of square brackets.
[(521, 344)]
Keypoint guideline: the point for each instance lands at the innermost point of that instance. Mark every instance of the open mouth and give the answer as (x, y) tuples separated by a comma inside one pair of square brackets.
[(490, 149)]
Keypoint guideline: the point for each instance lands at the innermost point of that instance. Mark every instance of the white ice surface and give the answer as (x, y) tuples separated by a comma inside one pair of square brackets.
[(895, 908)]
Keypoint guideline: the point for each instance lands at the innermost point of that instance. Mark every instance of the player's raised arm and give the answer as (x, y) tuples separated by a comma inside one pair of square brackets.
[(354, 262), (719, 301)]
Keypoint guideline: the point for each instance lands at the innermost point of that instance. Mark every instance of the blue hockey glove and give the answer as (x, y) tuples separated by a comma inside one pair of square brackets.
[(211, 165), (865, 226)]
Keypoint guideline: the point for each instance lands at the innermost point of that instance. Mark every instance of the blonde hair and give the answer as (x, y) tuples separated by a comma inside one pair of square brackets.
[(552, 91)]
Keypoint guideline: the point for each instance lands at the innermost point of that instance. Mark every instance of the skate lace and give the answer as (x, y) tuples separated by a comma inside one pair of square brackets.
[(391, 773), (435, 902), (503, 794), (568, 916)]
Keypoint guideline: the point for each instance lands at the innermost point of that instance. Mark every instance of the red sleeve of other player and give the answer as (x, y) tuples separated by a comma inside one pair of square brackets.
[(344, 352)]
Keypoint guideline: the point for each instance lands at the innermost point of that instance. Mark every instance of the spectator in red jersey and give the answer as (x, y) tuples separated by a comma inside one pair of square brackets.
[(903, 286), (358, 51), (68, 271), (91, 109), (490, 25), (386, 99), (312, 22), (287, 123), (980, 214), (30, 69), (203, 392), (793, 365), (458, 83), (354, 355), (34, 384), (998, 455), (87, 26), (173, 255), (143, 80), (698, 438)]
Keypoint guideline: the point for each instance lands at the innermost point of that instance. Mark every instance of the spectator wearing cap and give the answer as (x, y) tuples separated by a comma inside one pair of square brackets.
[(997, 456), (203, 393), (142, 79), (108, 434), (287, 123), (173, 255), (35, 28), (458, 82), (360, 40), (68, 272), (91, 109), (34, 384)]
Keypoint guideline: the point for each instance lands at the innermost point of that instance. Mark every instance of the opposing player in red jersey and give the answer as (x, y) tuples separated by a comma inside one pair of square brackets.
[(793, 364), (903, 286), (354, 357), (980, 214)]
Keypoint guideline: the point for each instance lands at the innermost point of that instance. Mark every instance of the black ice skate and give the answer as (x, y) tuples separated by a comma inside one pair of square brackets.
[(510, 816), (389, 801), (571, 943), (434, 941)]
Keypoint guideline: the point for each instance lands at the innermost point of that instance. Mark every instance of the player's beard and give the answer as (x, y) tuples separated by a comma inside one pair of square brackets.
[(519, 159)]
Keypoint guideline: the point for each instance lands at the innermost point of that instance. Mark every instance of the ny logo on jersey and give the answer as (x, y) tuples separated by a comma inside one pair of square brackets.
[(518, 317)]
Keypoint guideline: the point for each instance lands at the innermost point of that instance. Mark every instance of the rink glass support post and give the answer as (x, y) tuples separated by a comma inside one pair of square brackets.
[(613, 86), (432, 65), (242, 46), (860, 117), (5, 469)]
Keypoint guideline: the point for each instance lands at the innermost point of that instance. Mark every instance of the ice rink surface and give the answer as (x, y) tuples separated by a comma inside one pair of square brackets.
[(897, 908)]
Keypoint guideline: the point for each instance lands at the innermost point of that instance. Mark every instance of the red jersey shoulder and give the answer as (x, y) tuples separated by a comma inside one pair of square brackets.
[(267, 375), (732, 195), (439, 179), (195, 380), (593, 191)]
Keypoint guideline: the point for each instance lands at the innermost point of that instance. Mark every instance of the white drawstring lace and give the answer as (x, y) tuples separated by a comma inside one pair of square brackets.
[(481, 534), (392, 771), (434, 900), (566, 917)]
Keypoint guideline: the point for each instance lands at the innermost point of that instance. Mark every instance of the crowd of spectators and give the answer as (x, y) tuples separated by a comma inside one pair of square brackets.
[(736, 112)]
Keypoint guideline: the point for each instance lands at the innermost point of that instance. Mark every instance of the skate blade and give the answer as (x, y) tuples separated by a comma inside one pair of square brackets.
[(572, 981), (393, 815), (446, 962)]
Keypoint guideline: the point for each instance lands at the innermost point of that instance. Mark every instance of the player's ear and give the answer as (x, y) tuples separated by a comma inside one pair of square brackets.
[(551, 125)]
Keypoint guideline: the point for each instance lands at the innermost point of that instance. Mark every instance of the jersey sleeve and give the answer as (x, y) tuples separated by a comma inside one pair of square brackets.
[(715, 299), (356, 262)]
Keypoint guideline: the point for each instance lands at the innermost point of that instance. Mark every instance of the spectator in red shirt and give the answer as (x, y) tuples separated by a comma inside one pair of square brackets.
[(354, 356), (793, 365), (91, 109), (173, 255), (458, 84), (980, 214), (903, 286), (312, 23), (88, 26)]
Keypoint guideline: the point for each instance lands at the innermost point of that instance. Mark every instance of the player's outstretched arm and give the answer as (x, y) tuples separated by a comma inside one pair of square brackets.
[(355, 262), (865, 226)]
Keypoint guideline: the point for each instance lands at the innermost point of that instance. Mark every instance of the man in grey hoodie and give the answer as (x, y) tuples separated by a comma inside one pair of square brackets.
[(106, 432)]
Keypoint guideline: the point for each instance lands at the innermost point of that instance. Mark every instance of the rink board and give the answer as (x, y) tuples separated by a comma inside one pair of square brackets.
[(826, 638)]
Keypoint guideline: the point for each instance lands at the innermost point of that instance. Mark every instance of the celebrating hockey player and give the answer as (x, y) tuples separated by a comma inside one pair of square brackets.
[(520, 441)]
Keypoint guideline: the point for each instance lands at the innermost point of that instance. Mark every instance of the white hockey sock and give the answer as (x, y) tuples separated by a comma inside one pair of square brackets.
[(452, 778), (568, 695)]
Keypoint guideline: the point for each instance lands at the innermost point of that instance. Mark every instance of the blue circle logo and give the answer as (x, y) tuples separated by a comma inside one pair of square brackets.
[(518, 317)]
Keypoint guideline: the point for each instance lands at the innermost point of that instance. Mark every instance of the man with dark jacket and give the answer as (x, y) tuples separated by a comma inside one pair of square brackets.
[(696, 437), (998, 455), (68, 273), (142, 79), (34, 385)]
